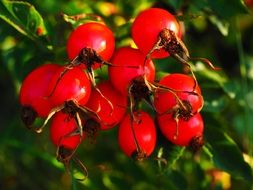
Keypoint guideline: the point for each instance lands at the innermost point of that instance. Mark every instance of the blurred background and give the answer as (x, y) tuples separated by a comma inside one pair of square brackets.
[(218, 30)]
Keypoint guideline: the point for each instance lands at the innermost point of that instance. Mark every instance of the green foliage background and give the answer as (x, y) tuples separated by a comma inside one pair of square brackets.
[(218, 30)]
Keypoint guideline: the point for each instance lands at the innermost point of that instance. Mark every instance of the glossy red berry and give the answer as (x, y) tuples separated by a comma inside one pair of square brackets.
[(182, 133), (62, 131), (72, 85), (91, 35), (110, 108), (185, 88), (147, 26), (33, 94), (145, 132), (122, 75)]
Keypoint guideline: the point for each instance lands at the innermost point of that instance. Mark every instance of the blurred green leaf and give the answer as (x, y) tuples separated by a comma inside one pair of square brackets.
[(216, 76), (227, 9), (172, 154), (215, 105), (24, 18), (226, 154), (175, 153), (222, 25), (232, 88)]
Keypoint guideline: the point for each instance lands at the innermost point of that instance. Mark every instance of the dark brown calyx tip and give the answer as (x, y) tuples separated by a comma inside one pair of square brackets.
[(196, 143), (139, 89), (91, 129), (28, 115), (185, 112), (89, 57), (139, 155), (64, 154), (173, 45)]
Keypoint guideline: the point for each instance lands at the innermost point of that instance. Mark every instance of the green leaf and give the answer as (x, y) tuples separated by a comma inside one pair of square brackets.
[(227, 9), (232, 88), (226, 154), (172, 154), (204, 72), (215, 105), (221, 24), (24, 18)]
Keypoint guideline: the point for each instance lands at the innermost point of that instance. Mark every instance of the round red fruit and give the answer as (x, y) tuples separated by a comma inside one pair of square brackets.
[(33, 93), (183, 132), (129, 64), (145, 133), (91, 35), (72, 85), (110, 106), (186, 90), (62, 131), (147, 27)]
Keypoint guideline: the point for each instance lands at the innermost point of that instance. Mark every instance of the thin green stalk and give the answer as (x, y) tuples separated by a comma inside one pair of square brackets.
[(73, 179), (244, 84)]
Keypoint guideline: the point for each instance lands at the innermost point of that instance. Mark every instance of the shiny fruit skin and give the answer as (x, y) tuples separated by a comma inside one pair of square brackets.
[(33, 91), (147, 26), (165, 101), (109, 116), (187, 129), (92, 35), (122, 75), (73, 85), (145, 132)]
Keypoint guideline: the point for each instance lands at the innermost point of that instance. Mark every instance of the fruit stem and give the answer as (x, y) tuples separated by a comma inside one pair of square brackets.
[(140, 154)]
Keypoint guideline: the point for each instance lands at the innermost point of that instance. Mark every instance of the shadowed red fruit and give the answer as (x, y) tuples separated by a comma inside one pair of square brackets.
[(62, 126), (110, 115), (145, 132)]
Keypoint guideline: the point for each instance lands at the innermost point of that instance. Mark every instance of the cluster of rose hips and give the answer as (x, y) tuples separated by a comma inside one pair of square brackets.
[(79, 107)]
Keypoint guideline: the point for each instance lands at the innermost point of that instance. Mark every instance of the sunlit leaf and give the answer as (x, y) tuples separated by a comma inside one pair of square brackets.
[(24, 18), (76, 20)]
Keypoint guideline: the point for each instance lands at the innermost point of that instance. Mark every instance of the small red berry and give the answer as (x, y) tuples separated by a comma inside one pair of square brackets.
[(40, 31)]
